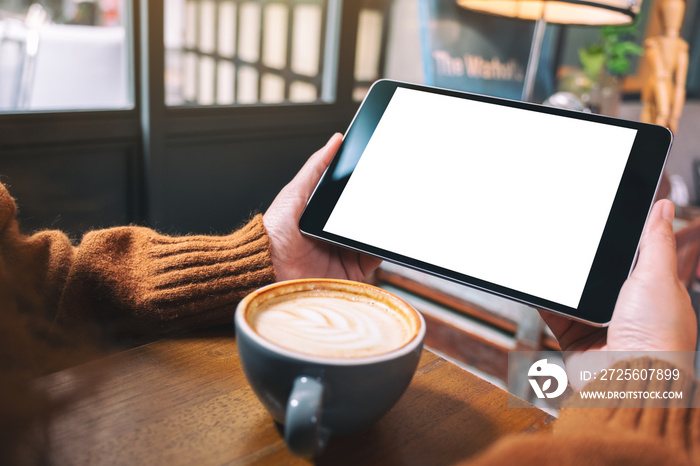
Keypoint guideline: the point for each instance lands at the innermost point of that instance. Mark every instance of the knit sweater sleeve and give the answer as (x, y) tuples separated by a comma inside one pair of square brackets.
[(139, 282), (638, 432), (132, 281)]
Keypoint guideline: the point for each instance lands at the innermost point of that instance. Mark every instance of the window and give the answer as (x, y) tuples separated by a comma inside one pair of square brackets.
[(237, 52), (65, 55), (229, 93)]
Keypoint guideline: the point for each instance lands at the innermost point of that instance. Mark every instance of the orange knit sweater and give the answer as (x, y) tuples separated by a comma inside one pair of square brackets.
[(132, 281), (129, 281)]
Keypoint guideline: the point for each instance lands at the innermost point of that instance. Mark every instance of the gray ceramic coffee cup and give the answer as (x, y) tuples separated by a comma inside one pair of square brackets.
[(314, 396)]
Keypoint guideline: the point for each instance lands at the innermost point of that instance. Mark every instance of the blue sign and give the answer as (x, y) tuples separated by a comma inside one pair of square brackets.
[(480, 53)]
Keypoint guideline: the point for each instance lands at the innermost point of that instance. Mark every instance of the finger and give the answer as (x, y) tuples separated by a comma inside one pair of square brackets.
[(310, 174), (563, 329), (326, 153), (368, 264), (556, 323), (572, 335), (657, 249)]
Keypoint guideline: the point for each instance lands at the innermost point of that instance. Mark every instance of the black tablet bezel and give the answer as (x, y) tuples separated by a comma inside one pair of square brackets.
[(618, 246)]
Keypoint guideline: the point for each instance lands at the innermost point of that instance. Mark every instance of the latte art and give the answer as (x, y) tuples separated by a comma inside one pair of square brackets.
[(332, 324)]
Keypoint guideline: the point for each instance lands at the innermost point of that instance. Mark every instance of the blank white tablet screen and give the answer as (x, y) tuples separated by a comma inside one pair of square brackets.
[(509, 196)]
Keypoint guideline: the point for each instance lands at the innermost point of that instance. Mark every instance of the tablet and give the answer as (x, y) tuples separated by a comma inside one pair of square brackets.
[(537, 204)]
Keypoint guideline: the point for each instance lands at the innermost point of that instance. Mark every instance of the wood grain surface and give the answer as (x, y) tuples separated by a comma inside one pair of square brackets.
[(185, 401)]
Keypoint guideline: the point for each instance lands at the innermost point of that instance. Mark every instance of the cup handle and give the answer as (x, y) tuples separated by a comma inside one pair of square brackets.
[(302, 426)]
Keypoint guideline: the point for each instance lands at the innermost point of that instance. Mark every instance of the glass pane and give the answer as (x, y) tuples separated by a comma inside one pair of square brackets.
[(250, 32), (272, 88), (206, 80), (370, 48), (301, 91), (65, 55), (275, 36), (307, 33), (227, 29), (207, 18), (369, 38), (262, 52), (225, 83), (247, 85)]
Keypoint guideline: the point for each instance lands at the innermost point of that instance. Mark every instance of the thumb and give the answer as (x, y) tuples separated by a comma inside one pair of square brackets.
[(657, 249), (308, 177)]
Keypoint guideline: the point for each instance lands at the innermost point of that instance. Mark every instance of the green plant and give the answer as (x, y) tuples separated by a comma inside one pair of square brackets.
[(612, 52)]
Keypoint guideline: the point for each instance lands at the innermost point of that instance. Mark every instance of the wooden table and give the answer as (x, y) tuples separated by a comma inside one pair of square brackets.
[(186, 401)]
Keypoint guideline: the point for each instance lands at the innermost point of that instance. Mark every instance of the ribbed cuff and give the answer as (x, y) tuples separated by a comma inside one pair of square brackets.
[(198, 280)]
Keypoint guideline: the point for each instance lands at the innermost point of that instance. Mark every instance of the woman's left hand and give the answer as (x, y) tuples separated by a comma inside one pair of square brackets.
[(296, 256)]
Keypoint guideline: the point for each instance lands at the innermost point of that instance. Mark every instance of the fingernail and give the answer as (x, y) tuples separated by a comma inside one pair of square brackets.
[(331, 139), (668, 211)]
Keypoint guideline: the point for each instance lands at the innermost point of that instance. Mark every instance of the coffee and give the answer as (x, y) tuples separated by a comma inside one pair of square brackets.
[(327, 357), (334, 323)]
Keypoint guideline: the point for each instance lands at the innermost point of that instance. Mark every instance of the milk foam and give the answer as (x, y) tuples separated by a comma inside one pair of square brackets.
[(336, 325)]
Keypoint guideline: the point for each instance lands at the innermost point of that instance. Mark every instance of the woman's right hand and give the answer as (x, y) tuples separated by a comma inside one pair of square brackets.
[(653, 310)]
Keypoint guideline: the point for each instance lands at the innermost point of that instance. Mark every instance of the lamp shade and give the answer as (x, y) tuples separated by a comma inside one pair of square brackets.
[(574, 12)]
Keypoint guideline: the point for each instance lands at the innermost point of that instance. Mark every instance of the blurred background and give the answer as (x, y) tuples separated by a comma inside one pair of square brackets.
[(189, 115)]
